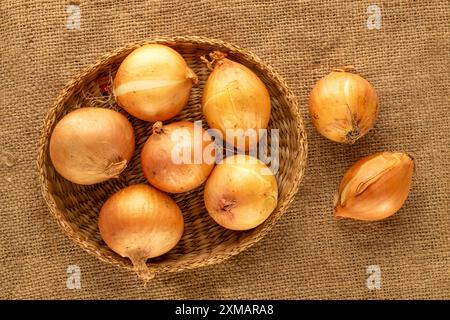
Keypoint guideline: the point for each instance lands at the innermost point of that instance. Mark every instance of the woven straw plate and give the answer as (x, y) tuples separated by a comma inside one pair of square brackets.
[(204, 242)]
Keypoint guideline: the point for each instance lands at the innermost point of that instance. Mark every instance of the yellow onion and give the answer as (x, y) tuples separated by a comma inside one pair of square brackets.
[(343, 106), (91, 145), (153, 83), (241, 192), (139, 223), (178, 157), (235, 99), (375, 187)]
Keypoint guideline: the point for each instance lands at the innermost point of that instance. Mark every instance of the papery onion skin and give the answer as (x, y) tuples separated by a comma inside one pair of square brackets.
[(235, 99), (241, 193), (375, 187), (343, 106), (91, 145), (176, 176), (140, 222), (153, 83)]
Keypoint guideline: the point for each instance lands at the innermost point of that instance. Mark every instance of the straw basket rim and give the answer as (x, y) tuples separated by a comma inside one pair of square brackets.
[(74, 84)]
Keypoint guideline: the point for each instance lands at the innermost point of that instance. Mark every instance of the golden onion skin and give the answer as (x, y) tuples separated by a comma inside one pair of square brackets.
[(91, 145), (343, 106), (235, 98), (140, 222), (375, 187), (156, 157), (241, 193), (153, 83)]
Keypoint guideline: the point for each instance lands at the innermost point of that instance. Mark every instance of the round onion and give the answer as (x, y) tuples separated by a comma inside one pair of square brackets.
[(153, 83), (343, 106), (91, 145), (241, 192), (236, 102), (140, 222), (178, 157)]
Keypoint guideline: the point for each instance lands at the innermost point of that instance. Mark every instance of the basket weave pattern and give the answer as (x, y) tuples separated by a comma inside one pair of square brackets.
[(204, 242)]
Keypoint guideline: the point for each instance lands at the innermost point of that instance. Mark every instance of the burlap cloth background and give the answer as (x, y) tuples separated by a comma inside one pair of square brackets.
[(308, 254)]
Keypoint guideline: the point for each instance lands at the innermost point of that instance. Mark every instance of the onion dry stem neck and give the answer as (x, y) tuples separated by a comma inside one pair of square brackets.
[(353, 135), (157, 127), (141, 268), (227, 205), (114, 169), (192, 76), (215, 57), (344, 69)]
